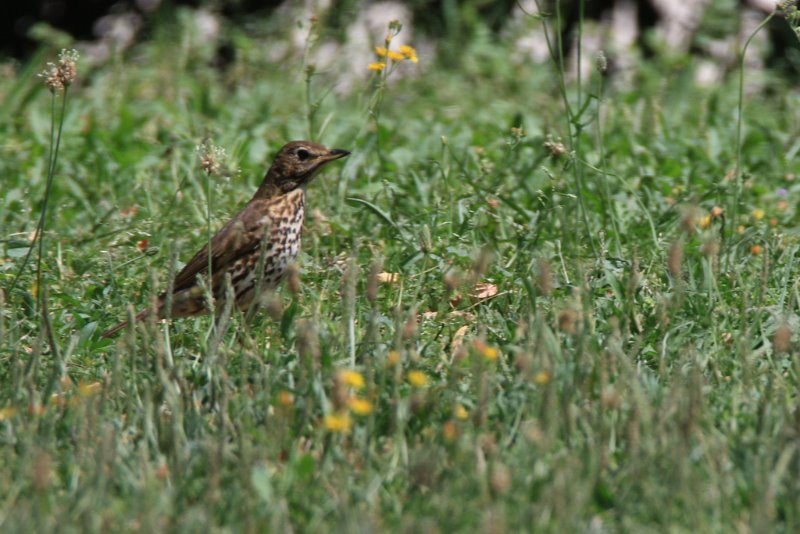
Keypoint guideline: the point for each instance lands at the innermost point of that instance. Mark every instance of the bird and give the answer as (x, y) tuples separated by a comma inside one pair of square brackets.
[(272, 219)]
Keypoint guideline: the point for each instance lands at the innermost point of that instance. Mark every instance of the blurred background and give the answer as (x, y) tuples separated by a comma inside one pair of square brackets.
[(712, 31)]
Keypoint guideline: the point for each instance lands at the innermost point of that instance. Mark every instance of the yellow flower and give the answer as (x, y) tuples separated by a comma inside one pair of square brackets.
[(704, 222), (377, 66), (337, 422), (395, 56), (393, 358), (285, 398), (410, 53), (542, 378), (88, 389), (758, 214), (490, 353), (449, 431), (460, 412), (359, 406), (381, 51), (716, 211), (740, 229), (417, 378), (354, 379)]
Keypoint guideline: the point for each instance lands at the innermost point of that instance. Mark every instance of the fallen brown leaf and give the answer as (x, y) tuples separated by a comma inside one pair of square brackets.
[(484, 290), (388, 278), (458, 341)]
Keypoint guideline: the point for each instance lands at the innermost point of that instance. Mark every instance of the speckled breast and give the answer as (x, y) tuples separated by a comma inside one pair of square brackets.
[(285, 230)]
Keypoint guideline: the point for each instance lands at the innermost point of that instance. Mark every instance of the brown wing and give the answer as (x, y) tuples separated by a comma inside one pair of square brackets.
[(240, 236)]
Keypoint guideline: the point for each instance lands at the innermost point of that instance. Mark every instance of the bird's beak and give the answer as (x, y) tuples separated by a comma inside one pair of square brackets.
[(335, 153)]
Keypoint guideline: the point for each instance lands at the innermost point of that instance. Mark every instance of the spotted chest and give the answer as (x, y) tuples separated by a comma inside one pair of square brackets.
[(285, 225)]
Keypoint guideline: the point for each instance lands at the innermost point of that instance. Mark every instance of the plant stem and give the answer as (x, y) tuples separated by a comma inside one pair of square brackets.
[(738, 169), (40, 226), (572, 120)]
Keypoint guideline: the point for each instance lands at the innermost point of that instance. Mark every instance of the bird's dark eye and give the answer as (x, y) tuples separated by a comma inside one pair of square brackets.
[(302, 154)]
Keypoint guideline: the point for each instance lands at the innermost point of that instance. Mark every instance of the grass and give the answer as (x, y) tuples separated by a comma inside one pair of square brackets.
[(649, 384)]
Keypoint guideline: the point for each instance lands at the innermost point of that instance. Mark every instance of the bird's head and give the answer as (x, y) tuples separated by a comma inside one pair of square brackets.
[(296, 164)]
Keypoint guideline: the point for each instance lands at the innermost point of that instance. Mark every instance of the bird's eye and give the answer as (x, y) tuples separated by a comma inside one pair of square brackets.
[(302, 154)]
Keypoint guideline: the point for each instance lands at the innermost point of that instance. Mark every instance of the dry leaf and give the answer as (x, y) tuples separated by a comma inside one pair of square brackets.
[(458, 341), (126, 213), (458, 314), (388, 278), (484, 290)]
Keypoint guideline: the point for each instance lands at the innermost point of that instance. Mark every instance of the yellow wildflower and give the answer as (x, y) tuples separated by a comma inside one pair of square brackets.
[(740, 229), (542, 378), (704, 222), (377, 66), (285, 398), (395, 56), (460, 412), (381, 51), (87, 389), (716, 211), (359, 406), (490, 353), (758, 214), (354, 379), (393, 358), (417, 378), (449, 431), (337, 422), (410, 53)]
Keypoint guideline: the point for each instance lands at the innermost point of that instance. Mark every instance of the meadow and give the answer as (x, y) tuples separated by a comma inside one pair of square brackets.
[(525, 301)]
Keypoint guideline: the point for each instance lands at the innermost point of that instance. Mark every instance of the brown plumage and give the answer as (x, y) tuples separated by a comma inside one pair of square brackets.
[(277, 207)]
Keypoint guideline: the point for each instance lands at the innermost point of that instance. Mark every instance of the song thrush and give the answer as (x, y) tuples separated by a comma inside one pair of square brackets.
[(278, 207)]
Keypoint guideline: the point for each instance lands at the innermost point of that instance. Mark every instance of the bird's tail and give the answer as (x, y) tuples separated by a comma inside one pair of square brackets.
[(111, 332)]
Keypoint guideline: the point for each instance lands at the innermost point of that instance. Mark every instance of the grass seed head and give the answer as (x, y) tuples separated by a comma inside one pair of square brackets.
[(372, 280), (410, 326), (68, 66), (600, 61), (710, 247), (555, 147), (308, 340), (293, 279), (567, 321), (51, 78), (782, 340), (500, 478), (42, 471), (212, 157), (675, 258), (545, 278)]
